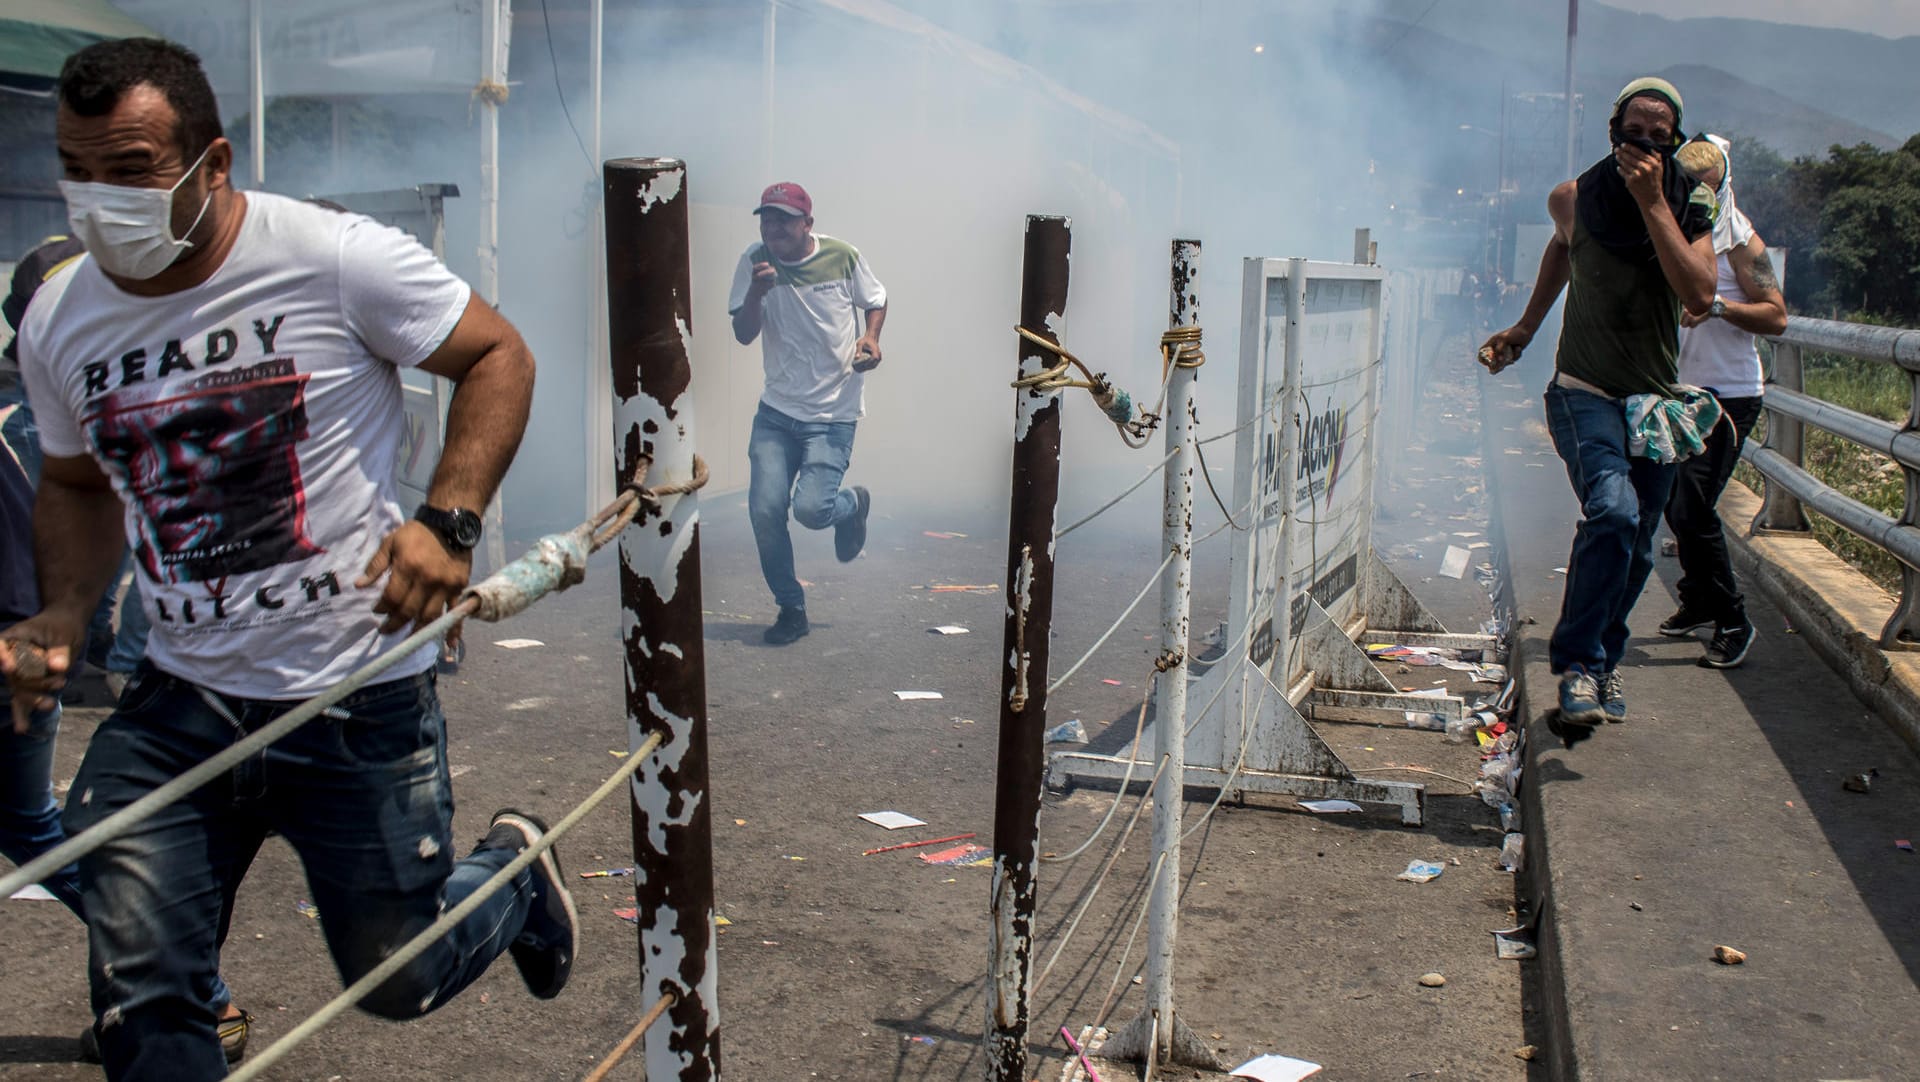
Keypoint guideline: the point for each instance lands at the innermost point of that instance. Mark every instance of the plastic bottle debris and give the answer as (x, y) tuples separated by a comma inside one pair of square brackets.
[(1460, 730), (1421, 871), (1509, 816), (1513, 852), (1068, 732)]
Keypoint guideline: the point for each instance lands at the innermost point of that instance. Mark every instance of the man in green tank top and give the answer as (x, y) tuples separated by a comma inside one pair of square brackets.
[(1632, 245)]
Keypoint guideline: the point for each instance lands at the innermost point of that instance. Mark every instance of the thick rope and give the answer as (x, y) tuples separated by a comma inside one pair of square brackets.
[(556, 562), (1102, 640), (1124, 493), (416, 946), (632, 1038), (1117, 404)]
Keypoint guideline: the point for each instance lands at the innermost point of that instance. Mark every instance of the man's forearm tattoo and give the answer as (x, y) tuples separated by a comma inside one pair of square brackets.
[(1763, 276)]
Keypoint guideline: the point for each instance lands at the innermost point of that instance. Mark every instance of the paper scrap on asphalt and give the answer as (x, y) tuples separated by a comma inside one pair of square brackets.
[(1454, 563), (961, 856), (907, 696), (1513, 946), (1429, 693), (1272, 1068), (1111, 683), (943, 535), (1329, 807), (33, 892), (1420, 871), (1559, 570), (892, 820), (518, 644), (949, 629)]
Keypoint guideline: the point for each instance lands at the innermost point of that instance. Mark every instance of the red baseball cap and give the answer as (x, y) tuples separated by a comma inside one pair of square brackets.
[(787, 198)]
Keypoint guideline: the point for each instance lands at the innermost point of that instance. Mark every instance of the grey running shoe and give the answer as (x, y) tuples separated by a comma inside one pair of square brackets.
[(1613, 695), (850, 536)]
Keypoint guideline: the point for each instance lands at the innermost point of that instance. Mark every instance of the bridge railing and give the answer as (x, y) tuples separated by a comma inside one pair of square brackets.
[(1790, 490)]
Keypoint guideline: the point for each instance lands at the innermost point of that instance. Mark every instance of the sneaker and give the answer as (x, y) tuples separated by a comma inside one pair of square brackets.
[(1580, 698), (1613, 695), (233, 1033), (790, 627), (1683, 623), (1729, 647), (850, 535), (551, 937)]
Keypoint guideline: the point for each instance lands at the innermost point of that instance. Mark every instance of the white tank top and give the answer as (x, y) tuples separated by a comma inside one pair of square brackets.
[(1719, 355)]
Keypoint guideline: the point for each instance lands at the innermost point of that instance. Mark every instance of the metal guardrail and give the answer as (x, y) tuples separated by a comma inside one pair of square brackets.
[(1790, 489)]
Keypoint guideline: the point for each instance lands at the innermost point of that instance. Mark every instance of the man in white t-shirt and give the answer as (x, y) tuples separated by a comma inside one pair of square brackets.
[(216, 382), (822, 309)]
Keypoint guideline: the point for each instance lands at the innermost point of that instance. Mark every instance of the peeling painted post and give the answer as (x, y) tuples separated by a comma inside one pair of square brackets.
[(1157, 1034), (649, 326), (1023, 685)]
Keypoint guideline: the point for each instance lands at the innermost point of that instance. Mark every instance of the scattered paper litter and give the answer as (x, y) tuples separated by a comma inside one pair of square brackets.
[(33, 892), (1454, 563), (907, 696), (961, 856), (1559, 570), (1329, 807), (1272, 1068), (1111, 683), (949, 629), (943, 535), (518, 644), (1067, 732), (1429, 693), (892, 820), (1513, 946), (1420, 871)]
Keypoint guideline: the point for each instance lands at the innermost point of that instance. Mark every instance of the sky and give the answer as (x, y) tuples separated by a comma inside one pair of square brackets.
[(1888, 18)]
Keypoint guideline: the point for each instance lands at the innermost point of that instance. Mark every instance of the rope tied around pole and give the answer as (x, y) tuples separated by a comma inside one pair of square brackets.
[(1116, 403)]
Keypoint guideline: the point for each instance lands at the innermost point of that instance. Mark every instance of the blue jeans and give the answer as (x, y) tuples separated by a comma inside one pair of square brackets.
[(20, 432), (130, 642), (797, 466), (29, 818), (361, 793), (1621, 499)]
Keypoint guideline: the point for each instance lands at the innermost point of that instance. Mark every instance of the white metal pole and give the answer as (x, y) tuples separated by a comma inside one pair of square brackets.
[(495, 28), (597, 13), (1573, 28), (257, 91), (767, 76), (599, 431)]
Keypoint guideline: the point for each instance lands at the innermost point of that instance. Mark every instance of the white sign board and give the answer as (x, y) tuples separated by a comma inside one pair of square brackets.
[(1309, 391)]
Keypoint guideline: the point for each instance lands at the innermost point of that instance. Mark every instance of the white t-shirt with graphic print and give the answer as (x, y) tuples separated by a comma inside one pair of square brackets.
[(810, 321), (250, 425)]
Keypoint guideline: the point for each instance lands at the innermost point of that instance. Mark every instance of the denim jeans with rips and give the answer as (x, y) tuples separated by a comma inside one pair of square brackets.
[(795, 466), (1621, 500), (363, 795), (29, 817)]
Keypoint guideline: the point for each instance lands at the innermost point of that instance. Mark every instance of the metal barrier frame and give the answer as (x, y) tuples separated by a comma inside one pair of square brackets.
[(1790, 489)]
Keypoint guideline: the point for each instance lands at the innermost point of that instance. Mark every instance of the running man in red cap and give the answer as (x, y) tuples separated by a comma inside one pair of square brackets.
[(822, 309)]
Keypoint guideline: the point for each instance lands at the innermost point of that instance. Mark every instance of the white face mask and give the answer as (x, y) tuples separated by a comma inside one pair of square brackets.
[(129, 230)]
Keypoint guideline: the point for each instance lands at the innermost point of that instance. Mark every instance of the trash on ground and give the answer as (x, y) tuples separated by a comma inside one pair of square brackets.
[(1420, 871), (1329, 807), (1454, 563), (949, 629), (959, 588), (1489, 674), (1067, 732), (1272, 1068), (1902, 843), (1514, 946), (517, 644), (908, 696), (916, 845), (631, 914), (307, 909), (1111, 683), (1417, 719), (922, 1039), (1669, 547), (892, 820), (607, 873), (1728, 956), (1860, 783), (1513, 852), (961, 856), (1559, 570), (943, 535), (1429, 693), (1525, 1051), (33, 892), (1458, 730), (1432, 980)]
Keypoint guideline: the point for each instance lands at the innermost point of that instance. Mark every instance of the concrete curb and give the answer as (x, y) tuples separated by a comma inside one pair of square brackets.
[(1837, 609)]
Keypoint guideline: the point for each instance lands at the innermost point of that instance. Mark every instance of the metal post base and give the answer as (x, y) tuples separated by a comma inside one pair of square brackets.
[(1135, 1040)]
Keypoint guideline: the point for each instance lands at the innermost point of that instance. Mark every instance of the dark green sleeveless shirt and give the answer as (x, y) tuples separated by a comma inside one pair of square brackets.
[(1621, 330)]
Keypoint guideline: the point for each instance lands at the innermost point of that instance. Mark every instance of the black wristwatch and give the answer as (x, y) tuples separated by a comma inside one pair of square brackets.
[(459, 528), (1718, 309)]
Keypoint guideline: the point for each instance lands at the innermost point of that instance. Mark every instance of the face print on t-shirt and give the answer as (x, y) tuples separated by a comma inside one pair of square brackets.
[(212, 470)]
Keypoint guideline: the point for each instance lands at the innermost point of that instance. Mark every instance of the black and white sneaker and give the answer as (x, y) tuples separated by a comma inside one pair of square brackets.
[(550, 939), (1729, 647), (850, 536), (1683, 623)]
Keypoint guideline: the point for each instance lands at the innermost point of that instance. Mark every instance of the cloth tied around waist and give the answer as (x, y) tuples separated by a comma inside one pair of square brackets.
[(1671, 429)]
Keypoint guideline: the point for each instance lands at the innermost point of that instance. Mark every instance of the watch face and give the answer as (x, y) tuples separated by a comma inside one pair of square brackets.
[(466, 528)]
